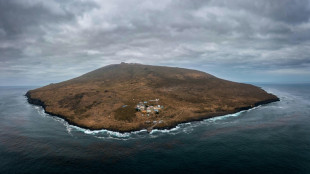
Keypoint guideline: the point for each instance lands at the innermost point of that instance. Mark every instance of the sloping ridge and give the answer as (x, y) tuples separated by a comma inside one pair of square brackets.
[(96, 99)]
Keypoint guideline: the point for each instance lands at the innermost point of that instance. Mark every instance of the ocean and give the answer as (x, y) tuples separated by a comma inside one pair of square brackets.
[(272, 138)]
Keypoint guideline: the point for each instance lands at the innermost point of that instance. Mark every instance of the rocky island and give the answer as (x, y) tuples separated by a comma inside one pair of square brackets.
[(129, 97)]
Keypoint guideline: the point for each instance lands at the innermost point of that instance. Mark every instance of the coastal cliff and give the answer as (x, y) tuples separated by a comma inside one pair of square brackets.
[(129, 97)]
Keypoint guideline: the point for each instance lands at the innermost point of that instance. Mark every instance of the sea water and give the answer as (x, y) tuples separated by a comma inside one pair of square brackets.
[(272, 138)]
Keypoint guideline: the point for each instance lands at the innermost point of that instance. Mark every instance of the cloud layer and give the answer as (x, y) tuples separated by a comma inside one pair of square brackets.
[(50, 41)]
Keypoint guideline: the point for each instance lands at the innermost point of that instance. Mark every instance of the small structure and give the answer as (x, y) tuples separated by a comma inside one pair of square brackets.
[(156, 100), (146, 107)]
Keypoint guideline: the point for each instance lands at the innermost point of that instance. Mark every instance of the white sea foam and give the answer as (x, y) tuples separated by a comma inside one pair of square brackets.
[(107, 134), (214, 119), (172, 130), (40, 110)]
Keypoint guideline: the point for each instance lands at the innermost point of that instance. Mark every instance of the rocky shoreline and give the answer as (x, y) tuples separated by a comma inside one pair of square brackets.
[(38, 102)]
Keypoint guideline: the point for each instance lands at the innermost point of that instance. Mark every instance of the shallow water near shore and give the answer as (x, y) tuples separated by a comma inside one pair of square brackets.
[(272, 138)]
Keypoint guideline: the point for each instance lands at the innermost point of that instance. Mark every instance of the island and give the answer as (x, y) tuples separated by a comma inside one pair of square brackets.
[(129, 97)]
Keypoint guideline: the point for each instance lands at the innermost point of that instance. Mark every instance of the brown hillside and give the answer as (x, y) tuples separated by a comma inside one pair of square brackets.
[(107, 97)]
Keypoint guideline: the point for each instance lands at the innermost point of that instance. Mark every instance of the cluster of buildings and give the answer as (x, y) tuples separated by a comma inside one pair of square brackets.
[(148, 108)]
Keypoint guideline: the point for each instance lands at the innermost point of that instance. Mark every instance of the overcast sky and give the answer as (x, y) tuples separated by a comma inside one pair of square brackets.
[(43, 42)]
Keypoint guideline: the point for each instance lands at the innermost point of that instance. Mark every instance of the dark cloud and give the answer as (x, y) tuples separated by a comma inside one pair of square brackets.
[(48, 41)]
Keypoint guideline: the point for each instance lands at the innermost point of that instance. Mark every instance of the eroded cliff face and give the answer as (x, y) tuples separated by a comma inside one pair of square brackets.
[(107, 97)]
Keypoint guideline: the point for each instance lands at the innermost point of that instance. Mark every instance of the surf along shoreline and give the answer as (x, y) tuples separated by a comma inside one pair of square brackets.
[(38, 102)]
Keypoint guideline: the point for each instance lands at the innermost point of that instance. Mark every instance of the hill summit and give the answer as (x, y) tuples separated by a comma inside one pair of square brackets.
[(128, 97)]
